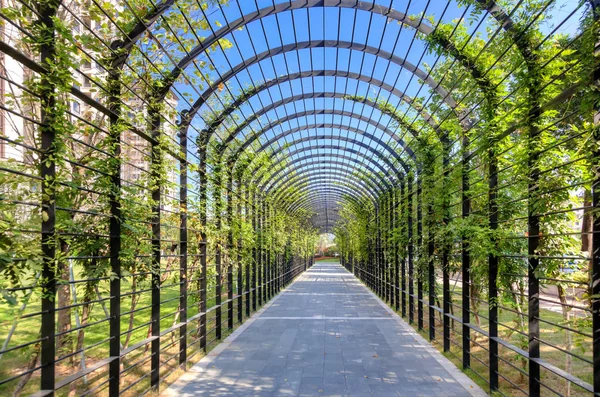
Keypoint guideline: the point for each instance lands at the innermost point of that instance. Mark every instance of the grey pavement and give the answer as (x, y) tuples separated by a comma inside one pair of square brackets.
[(325, 335)]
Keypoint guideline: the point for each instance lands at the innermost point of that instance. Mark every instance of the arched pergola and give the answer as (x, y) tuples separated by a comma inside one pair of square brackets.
[(176, 161)]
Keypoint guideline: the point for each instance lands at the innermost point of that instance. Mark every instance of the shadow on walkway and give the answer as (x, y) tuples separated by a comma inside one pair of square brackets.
[(325, 335)]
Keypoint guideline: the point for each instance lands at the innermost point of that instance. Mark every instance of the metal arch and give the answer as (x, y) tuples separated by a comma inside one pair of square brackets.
[(329, 195), (325, 221), (311, 175), (283, 7), (278, 8), (338, 171), (314, 95), (343, 186), (320, 204), (305, 172), (324, 189), (379, 182), (186, 117), (308, 181), (325, 111), (354, 204), (389, 13), (123, 47), (335, 189), (426, 77), (333, 147), (314, 112), (358, 131), (330, 216), (385, 159), (352, 159), (316, 126)]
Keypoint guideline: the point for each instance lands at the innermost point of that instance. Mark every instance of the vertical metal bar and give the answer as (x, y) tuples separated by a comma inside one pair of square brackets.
[(260, 264), (114, 87), (383, 254), (274, 259), (430, 264), (409, 226), (203, 201), (493, 270), (392, 251), (595, 257), (419, 195), (403, 264), (183, 247), (248, 263), (240, 274), (263, 254), (255, 248), (466, 260), (230, 246), (397, 219), (218, 264), (378, 252), (47, 11), (156, 162), (444, 248), (533, 241)]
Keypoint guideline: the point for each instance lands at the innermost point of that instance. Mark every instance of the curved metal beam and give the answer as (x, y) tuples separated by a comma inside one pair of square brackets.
[(317, 196), (302, 186), (370, 149), (314, 112), (271, 52), (362, 133), (304, 173), (329, 155), (313, 95), (309, 177), (338, 189), (213, 39)]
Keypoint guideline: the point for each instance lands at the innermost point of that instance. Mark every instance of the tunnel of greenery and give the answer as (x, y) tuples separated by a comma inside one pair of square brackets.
[(166, 168)]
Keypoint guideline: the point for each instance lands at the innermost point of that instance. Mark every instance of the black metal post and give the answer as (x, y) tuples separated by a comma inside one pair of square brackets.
[(444, 248), (249, 264), (403, 263), (218, 252), (157, 178), (255, 247), (203, 204), (114, 87), (595, 257), (230, 247), (430, 264), (240, 273), (493, 270), (261, 236), (466, 260), (183, 247), (47, 11), (409, 226), (419, 195)]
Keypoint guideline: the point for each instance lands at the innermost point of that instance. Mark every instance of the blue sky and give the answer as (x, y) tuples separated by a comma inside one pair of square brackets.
[(331, 23)]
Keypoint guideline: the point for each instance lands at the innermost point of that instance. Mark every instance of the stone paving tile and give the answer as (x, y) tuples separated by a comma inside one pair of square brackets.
[(324, 336)]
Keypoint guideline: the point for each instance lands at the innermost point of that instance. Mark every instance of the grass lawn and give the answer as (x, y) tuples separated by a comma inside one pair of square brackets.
[(511, 363), (136, 364)]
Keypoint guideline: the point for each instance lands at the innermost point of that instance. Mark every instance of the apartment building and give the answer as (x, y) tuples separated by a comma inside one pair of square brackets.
[(17, 117)]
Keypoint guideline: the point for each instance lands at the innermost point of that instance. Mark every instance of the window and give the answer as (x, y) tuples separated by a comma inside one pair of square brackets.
[(75, 107)]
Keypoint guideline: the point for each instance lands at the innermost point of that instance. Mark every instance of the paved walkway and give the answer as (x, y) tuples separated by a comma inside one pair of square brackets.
[(325, 335)]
